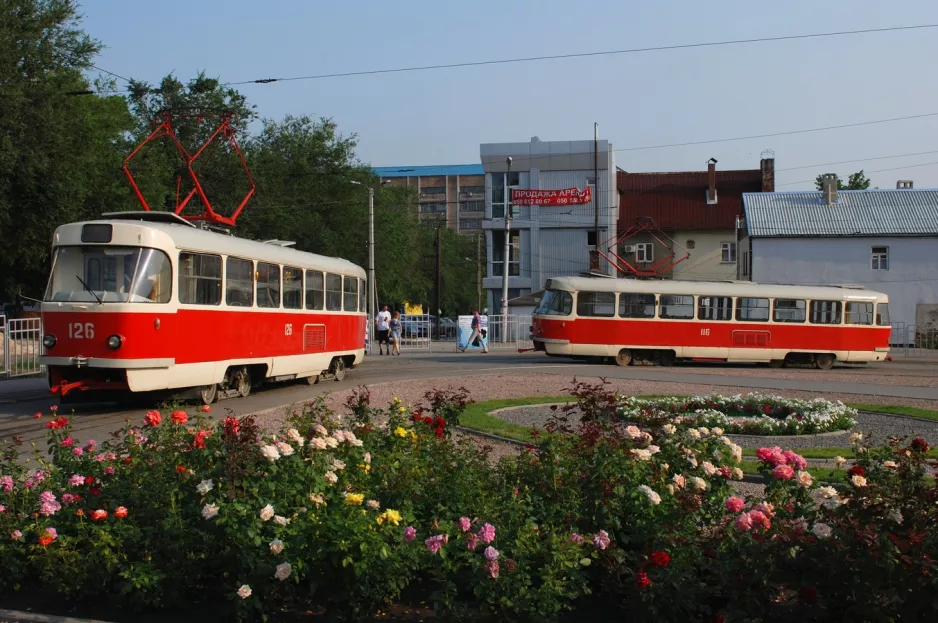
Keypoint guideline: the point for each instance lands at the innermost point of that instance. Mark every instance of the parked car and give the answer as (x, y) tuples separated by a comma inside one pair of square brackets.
[(425, 326)]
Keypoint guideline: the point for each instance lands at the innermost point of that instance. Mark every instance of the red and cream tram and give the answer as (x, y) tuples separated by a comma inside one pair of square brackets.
[(147, 301), (664, 320)]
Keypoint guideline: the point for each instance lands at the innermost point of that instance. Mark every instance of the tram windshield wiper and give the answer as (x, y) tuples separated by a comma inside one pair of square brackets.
[(87, 287)]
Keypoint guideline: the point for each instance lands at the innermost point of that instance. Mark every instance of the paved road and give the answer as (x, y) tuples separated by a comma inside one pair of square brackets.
[(20, 399)]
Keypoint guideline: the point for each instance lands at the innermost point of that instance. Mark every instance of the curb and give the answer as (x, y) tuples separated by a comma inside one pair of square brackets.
[(906, 417), (17, 616)]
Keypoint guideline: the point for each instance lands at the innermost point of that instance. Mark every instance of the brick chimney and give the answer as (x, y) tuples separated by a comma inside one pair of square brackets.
[(712, 181), (767, 165)]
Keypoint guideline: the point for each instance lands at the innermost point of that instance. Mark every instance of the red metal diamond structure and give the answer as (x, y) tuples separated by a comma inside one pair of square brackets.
[(223, 132), (642, 224)]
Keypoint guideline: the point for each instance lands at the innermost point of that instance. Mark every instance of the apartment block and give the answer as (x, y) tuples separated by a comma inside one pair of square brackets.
[(454, 194)]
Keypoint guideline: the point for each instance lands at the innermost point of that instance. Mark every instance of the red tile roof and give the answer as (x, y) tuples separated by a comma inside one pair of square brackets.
[(679, 200)]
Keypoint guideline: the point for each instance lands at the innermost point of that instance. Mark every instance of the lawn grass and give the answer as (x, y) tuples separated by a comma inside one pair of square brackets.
[(477, 416), (927, 414)]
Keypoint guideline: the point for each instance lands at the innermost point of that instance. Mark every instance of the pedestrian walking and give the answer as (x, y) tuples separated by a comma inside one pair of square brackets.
[(384, 327), (477, 332), (396, 330)]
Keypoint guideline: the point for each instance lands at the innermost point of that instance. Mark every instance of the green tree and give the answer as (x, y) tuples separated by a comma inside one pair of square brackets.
[(60, 145), (856, 181)]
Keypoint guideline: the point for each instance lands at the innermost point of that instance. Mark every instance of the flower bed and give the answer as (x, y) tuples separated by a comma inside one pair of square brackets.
[(604, 520), (756, 414)]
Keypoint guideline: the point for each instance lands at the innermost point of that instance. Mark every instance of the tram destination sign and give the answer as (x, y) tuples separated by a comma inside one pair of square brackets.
[(562, 197)]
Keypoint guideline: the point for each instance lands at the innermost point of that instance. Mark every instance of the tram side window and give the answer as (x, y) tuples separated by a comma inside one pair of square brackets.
[(882, 314), (825, 312), (239, 286), (315, 293), (752, 310), (350, 288), (292, 288), (333, 292), (858, 313), (715, 308), (268, 285), (676, 306), (596, 304), (362, 303), (636, 305), (555, 303), (199, 279), (789, 310)]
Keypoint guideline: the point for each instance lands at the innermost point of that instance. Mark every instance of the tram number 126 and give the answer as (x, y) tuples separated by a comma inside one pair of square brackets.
[(79, 331)]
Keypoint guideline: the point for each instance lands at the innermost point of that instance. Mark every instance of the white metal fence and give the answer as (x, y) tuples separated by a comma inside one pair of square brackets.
[(910, 341), (21, 342)]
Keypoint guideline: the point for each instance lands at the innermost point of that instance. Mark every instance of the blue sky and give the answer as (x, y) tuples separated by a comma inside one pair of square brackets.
[(441, 116)]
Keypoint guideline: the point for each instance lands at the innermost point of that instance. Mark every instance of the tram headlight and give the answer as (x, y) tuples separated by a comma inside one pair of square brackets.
[(48, 340), (115, 342)]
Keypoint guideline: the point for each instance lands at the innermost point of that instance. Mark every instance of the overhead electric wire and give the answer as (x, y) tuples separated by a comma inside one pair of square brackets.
[(529, 59), (828, 164), (910, 166)]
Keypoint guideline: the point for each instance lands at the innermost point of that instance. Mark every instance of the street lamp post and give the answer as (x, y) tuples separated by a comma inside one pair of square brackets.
[(507, 251), (372, 288)]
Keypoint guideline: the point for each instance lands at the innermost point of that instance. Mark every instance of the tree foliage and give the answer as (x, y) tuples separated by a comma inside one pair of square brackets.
[(61, 158), (856, 181)]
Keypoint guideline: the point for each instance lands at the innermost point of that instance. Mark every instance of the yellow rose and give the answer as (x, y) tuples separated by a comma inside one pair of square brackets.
[(391, 516), (355, 499), (365, 468), (400, 432)]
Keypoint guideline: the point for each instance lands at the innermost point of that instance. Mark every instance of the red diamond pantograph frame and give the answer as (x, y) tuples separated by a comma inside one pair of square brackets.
[(224, 130)]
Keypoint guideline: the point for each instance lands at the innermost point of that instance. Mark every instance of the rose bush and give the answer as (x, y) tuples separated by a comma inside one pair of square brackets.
[(625, 514)]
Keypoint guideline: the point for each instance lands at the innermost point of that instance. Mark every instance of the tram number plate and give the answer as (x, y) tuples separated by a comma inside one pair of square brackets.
[(705, 332), (288, 329), (81, 331)]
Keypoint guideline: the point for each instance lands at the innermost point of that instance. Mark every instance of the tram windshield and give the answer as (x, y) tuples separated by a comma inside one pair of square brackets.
[(555, 303), (110, 274)]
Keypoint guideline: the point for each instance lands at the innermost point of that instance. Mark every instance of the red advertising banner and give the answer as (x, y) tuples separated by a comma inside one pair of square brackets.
[(563, 197)]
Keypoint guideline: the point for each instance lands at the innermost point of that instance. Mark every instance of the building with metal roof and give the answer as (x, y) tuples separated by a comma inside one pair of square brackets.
[(450, 194), (885, 240)]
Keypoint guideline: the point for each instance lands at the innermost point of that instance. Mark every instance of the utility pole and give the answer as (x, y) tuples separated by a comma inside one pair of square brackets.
[(594, 255), (507, 251), (479, 270), (372, 287), (439, 281)]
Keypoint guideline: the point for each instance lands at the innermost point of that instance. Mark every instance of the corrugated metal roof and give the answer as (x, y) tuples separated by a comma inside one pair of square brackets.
[(431, 170), (856, 213), (678, 200)]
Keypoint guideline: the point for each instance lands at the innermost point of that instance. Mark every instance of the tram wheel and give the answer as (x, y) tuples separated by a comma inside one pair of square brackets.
[(824, 362), (313, 379), (624, 357), (666, 358), (777, 363), (241, 380), (209, 394), (338, 369)]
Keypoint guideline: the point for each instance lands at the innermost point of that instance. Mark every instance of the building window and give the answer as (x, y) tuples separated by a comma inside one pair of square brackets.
[(199, 279), (239, 283), (472, 206), (591, 238), (498, 254), (500, 194), (596, 304), (715, 308), (432, 208), (746, 265), (433, 190), (728, 252), (473, 190), (470, 224), (645, 253), (879, 258), (591, 181)]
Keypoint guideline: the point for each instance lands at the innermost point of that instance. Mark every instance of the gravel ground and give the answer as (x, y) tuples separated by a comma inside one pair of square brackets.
[(857, 375)]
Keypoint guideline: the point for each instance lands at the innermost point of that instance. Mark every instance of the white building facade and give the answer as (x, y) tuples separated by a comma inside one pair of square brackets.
[(882, 240), (546, 241)]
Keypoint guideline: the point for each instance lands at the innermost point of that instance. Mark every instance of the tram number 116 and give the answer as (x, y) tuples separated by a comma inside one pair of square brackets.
[(79, 331)]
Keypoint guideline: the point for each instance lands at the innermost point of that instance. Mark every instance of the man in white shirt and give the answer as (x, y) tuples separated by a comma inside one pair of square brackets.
[(384, 328)]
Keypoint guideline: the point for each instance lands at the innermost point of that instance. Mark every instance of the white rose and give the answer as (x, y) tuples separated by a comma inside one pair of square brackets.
[(281, 521), (338, 465), (821, 530), (373, 505), (285, 448), (283, 571), (267, 513), (296, 437), (244, 592), (209, 511), (331, 478), (858, 481), (205, 486), (270, 453), (367, 458), (276, 546), (318, 443), (828, 492), (804, 479)]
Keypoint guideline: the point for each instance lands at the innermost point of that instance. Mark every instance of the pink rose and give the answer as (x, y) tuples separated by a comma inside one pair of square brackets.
[(783, 472), (734, 504)]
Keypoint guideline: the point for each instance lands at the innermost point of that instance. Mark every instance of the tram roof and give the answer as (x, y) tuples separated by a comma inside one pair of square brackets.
[(715, 288), (185, 236)]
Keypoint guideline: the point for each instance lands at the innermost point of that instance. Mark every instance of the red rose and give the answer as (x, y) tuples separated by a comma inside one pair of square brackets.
[(120, 512), (59, 422), (45, 540), (179, 417), (206, 409), (99, 515), (416, 417), (642, 581), (127, 460), (181, 469), (232, 426), (95, 491), (428, 420), (440, 422), (153, 418), (856, 470), (79, 513), (199, 440), (439, 433), (919, 445), (37, 415), (89, 480), (660, 559)]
